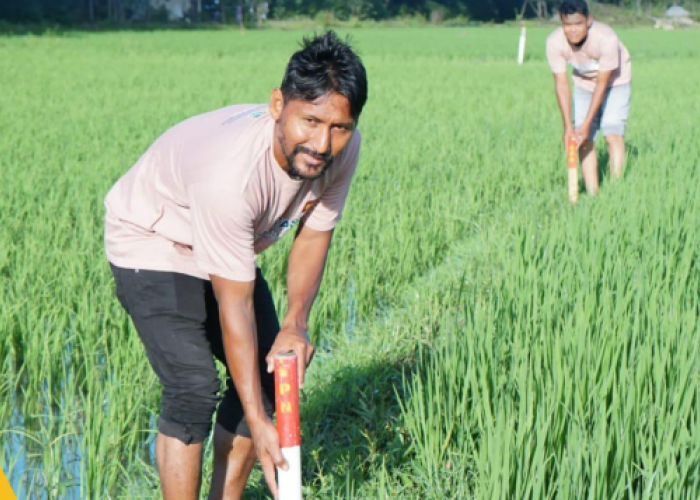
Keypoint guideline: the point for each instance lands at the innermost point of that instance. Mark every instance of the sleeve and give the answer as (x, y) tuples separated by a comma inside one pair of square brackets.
[(328, 211), (609, 54), (557, 62), (222, 232)]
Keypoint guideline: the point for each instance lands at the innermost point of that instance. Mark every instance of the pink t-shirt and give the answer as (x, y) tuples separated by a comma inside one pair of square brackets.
[(602, 51), (208, 196)]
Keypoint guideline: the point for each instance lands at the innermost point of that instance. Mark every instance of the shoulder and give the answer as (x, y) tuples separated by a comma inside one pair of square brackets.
[(601, 28), (206, 129), (356, 140), (556, 38), (217, 117), (602, 31), (228, 150)]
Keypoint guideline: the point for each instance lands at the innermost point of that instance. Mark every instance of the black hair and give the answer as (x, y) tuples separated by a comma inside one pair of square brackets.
[(325, 63), (571, 7)]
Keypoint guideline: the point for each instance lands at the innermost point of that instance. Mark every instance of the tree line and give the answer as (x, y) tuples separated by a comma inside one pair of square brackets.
[(81, 12)]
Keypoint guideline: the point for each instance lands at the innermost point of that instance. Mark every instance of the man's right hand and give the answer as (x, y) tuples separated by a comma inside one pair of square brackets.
[(267, 449), (569, 134)]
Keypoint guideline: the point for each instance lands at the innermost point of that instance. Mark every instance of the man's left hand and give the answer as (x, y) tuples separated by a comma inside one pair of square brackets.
[(294, 339), (582, 132)]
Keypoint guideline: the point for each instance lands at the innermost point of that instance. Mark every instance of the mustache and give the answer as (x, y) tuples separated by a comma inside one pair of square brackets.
[(324, 157)]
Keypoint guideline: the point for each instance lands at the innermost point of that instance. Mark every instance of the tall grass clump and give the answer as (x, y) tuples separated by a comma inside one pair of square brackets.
[(572, 372)]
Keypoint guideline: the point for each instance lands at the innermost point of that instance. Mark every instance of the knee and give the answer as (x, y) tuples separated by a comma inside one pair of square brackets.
[(614, 139), (231, 447), (187, 415), (586, 147), (613, 130)]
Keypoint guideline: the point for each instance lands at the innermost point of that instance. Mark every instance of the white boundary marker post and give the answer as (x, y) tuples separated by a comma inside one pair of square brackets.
[(521, 45), (288, 429)]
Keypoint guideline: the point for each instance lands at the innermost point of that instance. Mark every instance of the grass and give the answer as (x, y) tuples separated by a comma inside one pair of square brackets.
[(479, 337)]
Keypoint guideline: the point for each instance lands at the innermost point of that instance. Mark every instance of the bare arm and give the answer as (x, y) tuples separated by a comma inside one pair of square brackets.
[(561, 87), (307, 261), (237, 317), (238, 328)]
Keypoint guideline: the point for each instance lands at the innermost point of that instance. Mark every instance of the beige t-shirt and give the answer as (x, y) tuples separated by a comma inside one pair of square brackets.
[(602, 51), (208, 196)]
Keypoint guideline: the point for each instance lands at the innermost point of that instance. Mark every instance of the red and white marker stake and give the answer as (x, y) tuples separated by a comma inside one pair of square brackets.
[(572, 164), (287, 409)]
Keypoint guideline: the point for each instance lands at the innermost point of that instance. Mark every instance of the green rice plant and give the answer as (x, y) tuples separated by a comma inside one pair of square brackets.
[(560, 339), (573, 372)]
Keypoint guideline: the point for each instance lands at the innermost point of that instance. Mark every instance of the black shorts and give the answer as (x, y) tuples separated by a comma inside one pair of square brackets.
[(177, 319)]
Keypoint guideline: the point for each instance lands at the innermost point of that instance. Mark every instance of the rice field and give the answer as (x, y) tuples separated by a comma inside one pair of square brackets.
[(479, 337)]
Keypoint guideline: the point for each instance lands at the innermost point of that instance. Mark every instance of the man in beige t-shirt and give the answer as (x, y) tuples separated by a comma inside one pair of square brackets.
[(182, 229), (602, 75)]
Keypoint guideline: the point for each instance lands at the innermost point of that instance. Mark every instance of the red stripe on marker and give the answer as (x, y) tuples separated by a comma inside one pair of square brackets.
[(287, 400), (571, 153)]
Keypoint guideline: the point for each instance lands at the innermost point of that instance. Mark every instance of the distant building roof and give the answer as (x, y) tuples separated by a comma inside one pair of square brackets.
[(677, 11)]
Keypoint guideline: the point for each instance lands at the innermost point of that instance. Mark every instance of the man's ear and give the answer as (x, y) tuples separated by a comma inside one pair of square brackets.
[(276, 104)]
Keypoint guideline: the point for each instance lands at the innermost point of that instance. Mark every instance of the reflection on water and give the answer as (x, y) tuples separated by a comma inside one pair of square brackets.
[(42, 463), (27, 445)]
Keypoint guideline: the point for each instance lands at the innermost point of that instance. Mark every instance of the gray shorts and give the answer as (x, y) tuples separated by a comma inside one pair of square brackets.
[(611, 119)]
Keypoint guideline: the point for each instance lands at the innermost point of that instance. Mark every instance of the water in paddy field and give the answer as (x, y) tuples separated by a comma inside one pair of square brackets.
[(25, 466), (44, 445), (23, 462), (29, 440)]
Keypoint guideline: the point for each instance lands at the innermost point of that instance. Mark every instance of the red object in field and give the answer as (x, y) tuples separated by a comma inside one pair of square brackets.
[(287, 400), (572, 153)]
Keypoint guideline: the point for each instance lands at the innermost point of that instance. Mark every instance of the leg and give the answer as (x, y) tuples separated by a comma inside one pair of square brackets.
[(589, 166), (614, 124), (179, 467), (168, 311), (587, 152), (234, 455), (616, 150)]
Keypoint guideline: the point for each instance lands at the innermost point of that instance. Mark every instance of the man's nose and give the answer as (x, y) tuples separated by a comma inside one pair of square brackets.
[(321, 140)]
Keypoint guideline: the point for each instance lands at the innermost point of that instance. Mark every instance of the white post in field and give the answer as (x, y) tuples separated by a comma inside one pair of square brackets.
[(521, 46)]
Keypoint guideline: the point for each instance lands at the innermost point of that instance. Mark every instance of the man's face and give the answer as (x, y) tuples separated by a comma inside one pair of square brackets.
[(310, 134), (575, 28)]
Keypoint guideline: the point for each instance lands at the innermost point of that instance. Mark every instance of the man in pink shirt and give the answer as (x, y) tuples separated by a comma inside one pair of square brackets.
[(602, 72), (182, 229)]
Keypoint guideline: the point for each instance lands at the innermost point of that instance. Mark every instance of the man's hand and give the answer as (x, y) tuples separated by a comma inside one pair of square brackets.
[(267, 449), (294, 339), (601, 87), (582, 133), (569, 134)]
